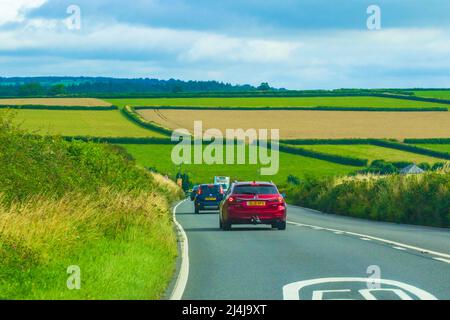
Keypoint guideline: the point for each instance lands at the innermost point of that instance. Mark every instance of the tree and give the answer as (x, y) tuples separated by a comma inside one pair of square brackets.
[(31, 89), (57, 89), (177, 89), (264, 86)]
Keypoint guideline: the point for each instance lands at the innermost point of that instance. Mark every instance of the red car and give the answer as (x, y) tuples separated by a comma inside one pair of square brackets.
[(253, 203)]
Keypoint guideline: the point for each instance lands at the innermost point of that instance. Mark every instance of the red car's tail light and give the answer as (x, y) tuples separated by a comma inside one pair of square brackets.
[(231, 200)]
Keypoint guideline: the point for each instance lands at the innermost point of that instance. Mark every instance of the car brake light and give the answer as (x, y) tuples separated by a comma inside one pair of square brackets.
[(221, 190), (199, 191), (230, 200), (281, 200)]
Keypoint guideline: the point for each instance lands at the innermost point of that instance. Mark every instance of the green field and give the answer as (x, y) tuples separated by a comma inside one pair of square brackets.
[(279, 102), (159, 157), (92, 123), (371, 153), (436, 94), (436, 147)]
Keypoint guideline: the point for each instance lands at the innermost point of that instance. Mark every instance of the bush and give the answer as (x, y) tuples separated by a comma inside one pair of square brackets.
[(413, 199)]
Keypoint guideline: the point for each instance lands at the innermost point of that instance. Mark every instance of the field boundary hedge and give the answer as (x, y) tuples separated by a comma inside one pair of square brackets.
[(130, 113), (295, 108), (376, 142), (346, 160), (65, 108), (122, 140), (428, 141)]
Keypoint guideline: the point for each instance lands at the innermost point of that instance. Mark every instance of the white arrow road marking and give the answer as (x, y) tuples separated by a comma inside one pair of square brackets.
[(183, 274), (292, 291)]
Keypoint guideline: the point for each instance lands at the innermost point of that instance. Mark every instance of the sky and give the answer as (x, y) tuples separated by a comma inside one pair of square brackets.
[(302, 44)]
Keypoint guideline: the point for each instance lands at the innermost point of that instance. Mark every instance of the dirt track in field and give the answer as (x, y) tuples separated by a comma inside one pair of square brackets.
[(79, 102), (313, 124)]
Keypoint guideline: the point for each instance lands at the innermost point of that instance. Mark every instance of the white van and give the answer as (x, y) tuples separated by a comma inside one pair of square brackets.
[(223, 181)]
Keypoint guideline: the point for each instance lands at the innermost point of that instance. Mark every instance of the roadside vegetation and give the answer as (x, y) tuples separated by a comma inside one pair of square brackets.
[(84, 204), (422, 199)]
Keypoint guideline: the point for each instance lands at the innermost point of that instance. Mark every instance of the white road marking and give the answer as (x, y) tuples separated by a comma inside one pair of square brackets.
[(292, 291), (366, 239), (183, 274), (393, 243), (443, 260), (399, 248)]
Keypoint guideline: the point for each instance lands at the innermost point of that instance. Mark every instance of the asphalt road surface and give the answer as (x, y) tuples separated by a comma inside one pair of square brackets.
[(319, 256)]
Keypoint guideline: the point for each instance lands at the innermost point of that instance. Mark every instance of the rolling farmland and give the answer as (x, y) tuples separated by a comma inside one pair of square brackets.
[(350, 102), (313, 124), (371, 153), (436, 147), (159, 157), (72, 123), (436, 94)]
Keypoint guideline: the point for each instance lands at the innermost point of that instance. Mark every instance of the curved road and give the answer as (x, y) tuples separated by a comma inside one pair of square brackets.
[(319, 256)]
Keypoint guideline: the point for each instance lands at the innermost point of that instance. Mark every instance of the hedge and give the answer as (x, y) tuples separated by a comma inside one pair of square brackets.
[(129, 112), (76, 108), (316, 108), (122, 140), (326, 141), (428, 141)]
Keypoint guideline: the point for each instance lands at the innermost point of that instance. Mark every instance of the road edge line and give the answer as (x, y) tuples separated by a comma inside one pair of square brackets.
[(183, 273)]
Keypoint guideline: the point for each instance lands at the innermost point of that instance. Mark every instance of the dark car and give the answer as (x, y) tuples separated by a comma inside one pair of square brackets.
[(193, 193), (208, 197), (253, 203)]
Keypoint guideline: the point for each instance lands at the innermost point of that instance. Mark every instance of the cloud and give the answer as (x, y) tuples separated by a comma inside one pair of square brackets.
[(15, 11), (113, 43)]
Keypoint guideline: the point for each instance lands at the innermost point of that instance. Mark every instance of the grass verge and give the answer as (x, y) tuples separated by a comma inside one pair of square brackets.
[(81, 204)]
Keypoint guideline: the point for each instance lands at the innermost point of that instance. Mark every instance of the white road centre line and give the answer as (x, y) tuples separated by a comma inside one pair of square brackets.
[(389, 242), (183, 274), (443, 260), (399, 248)]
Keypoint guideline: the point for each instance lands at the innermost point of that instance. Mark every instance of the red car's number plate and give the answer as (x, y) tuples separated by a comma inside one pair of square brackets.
[(256, 203)]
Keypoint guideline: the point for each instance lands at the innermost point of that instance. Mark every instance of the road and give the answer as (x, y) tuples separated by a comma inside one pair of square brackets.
[(319, 256)]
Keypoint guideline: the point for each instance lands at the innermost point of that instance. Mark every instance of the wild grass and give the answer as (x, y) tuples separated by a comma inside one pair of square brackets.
[(74, 203)]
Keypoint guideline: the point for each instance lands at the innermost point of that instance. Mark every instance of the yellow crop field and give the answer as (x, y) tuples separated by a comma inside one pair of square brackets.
[(313, 124)]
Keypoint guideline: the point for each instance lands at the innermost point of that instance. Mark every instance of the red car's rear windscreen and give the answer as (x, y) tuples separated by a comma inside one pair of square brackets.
[(255, 189)]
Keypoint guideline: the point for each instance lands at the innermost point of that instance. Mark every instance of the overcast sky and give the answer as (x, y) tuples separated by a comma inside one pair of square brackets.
[(301, 44)]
